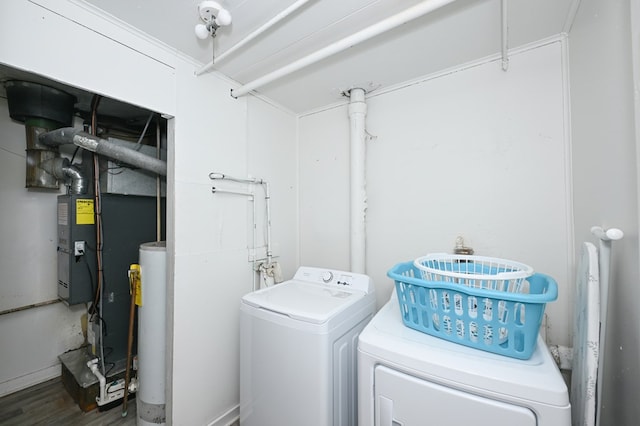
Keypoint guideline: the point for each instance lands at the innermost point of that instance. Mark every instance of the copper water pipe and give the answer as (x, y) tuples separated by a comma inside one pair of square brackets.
[(134, 276)]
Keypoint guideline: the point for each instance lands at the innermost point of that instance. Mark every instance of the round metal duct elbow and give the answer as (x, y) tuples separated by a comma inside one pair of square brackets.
[(78, 181), (61, 169)]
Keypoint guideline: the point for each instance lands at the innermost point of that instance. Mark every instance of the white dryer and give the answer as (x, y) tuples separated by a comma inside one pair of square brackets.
[(408, 378), (298, 343)]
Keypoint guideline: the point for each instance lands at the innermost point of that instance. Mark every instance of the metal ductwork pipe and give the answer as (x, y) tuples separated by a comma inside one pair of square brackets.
[(70, 135), (41, 109), (37, 153), (61, 169)]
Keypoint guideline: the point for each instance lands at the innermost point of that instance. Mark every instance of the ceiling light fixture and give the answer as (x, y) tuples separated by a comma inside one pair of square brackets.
[(214, 16)]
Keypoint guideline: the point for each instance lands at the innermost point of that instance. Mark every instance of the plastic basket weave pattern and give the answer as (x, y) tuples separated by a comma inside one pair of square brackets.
[(475, 271), (502, 322)]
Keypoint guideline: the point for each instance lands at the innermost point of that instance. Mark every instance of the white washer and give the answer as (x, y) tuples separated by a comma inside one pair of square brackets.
[(298, 343), (408, 378)]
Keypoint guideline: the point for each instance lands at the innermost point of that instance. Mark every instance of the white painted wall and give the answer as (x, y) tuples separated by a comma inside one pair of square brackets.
[(212, 267), (207, 234), (605, 182), (23, 209), (324, 188), (28, 263), (273, 156), (131, 72), (212, 270), (477, 152)]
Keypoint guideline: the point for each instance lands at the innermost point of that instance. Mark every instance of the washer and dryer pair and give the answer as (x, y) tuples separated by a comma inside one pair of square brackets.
[(300, 341)]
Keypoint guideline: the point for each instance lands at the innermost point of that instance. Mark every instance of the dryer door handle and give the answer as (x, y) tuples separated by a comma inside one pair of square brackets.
[(385, 415)]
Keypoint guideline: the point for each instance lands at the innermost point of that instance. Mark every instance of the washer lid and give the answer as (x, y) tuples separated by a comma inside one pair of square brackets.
[(303, 301)]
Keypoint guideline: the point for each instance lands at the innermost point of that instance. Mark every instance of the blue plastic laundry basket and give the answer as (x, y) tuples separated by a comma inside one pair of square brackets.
[(502, 322)]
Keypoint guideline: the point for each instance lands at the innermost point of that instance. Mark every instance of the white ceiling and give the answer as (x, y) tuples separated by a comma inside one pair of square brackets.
[(460, 32)]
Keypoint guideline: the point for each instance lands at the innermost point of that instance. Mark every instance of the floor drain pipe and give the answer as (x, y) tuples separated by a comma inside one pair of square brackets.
[(358, 196)]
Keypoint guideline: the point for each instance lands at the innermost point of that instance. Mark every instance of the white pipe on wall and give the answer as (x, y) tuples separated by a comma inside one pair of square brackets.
[(396, 20), (267, 200), (604, 264), (270, 23), (505, 35), (229, 191), (358, 197)]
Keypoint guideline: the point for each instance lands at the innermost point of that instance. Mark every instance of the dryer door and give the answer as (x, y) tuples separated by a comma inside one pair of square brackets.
[(404, 400)]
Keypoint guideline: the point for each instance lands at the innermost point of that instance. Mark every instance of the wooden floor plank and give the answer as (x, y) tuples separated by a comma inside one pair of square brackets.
[(48, 403)]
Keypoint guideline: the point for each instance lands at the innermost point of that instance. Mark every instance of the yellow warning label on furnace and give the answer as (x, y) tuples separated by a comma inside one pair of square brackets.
[(84, 211)]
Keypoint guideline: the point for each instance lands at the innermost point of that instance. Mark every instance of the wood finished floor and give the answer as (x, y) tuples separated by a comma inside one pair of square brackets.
[(49, 403)]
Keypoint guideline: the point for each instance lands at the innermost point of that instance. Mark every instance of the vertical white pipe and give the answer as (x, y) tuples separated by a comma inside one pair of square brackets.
[(254, 242), (505, 35), (358, 196), (267, 202), (158, 187)]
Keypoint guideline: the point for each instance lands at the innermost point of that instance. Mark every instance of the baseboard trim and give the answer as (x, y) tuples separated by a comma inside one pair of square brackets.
[(18, 383), (229, 418)]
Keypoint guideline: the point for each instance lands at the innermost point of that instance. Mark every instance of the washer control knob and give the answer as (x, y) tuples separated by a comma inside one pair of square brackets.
[(327, 276)]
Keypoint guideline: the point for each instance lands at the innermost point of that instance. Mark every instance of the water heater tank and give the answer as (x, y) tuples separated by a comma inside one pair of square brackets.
[(150, 400)]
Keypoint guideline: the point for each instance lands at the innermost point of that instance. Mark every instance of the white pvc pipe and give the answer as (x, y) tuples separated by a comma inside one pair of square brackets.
[(270, 23), (230, 191), (345, 43), (254, 243), (358, 197), (267, 200), (222, 176), (505, 35), (93, 366)]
